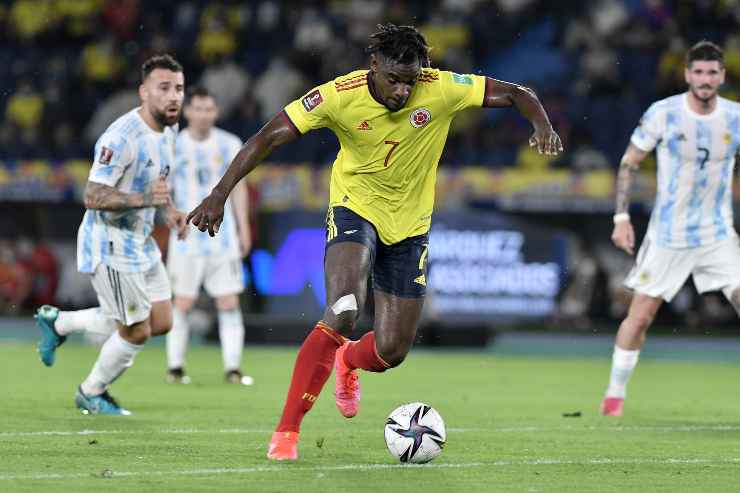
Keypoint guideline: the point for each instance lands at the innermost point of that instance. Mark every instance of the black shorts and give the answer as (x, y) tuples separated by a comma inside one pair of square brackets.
[(399, 269)]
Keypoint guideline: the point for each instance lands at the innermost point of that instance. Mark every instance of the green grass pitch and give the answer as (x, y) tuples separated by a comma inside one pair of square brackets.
[(506, 430)]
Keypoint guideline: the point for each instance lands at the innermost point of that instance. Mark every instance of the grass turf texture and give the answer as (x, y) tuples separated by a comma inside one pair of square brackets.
[(506, 432)]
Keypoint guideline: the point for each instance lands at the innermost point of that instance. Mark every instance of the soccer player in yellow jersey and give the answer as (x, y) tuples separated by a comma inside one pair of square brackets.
[(391, 122)]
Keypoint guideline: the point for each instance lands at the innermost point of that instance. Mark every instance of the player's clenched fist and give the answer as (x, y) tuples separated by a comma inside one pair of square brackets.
[(623, 236), (159, 194), (209, 214)]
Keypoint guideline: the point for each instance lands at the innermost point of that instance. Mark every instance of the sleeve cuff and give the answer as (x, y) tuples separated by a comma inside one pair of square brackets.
[(643, 146), (290, 123), (102, 181)]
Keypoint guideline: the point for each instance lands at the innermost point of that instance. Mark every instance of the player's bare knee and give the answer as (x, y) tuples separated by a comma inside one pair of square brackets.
[(160, 317), (137, 333), (640, 321), (393, 356), (228, 302), (184, 304), (161, 322), (392, 351), (162, 327)]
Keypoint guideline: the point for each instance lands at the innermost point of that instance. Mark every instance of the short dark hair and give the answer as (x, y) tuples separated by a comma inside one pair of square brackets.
[(166, 62), (706, 51), (401, 44), (197, 92)]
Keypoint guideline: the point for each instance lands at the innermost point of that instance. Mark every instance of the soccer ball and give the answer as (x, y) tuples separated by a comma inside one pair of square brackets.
[(415, 433)]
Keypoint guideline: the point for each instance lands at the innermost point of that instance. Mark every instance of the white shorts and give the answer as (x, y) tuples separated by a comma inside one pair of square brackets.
[(220, 276), (128, 296), (661, 272)]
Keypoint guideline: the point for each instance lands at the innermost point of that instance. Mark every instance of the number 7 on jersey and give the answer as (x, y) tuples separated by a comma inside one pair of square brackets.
[(393, 144)]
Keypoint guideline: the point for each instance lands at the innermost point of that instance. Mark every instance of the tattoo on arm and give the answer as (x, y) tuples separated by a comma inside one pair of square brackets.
[(624, 183), (107, 198)]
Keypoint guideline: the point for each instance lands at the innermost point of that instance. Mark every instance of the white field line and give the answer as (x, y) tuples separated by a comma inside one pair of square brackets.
[(521, 429), (106, 473)]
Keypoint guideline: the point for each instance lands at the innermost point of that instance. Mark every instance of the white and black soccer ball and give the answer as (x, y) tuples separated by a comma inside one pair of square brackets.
[(415, 433)]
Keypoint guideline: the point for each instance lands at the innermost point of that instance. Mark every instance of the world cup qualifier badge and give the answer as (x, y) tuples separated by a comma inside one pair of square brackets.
[(312, 100), (420, 117), (105, 155)]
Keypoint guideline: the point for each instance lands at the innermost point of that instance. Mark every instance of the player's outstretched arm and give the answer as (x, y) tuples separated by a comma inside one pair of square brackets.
[(623, 235), (209, 214), (240, 205), (500, 94), (106, 198)]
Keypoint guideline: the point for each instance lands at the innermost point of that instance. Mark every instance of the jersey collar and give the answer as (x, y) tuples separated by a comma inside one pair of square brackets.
[(699, 116)]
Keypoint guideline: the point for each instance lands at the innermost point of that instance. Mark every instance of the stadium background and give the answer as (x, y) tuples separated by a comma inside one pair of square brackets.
[(520, 241)]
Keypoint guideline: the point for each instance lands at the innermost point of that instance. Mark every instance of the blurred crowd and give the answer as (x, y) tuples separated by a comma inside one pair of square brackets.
[(69, 67), (29, 275)]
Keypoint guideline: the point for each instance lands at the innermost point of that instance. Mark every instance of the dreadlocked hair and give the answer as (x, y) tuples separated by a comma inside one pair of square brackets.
[(401, 44)]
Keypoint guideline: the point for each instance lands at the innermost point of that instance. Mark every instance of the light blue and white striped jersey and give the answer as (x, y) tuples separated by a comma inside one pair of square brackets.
[(199, 165), (696, 158), (129, 156)]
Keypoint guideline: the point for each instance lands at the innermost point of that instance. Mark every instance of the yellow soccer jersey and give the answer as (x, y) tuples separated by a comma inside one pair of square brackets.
[(386, 167)]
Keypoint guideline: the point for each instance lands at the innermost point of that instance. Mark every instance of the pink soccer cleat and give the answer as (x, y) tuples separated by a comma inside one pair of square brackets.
[(612, 406), (347, 388), (283, 446)]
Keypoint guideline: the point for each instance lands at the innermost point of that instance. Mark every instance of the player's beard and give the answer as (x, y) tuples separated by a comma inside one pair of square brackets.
[(705, 99), (164, 120)]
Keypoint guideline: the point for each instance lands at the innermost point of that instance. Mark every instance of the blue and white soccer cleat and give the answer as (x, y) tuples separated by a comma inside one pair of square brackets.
[(45, 317), (99, 404)]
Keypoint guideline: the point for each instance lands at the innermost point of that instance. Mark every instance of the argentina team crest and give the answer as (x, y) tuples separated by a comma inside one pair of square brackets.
[(420, 117)]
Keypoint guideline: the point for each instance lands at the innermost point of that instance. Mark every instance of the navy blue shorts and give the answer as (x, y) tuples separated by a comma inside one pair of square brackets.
[(399, 269)]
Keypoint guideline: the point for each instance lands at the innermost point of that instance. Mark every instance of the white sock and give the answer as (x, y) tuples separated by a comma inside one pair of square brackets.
[(116, 355), (231, 333), (177, 340), (89, 320), (623, 364)]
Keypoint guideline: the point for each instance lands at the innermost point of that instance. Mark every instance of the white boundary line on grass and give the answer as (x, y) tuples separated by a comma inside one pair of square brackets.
[(108, 474), (521, 429)]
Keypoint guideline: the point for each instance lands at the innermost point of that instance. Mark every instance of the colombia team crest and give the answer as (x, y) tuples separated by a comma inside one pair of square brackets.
[(420, 117)]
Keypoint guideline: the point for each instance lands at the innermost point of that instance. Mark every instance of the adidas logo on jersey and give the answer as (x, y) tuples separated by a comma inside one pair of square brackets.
[(421, 280), (149, 163), (364, 126)]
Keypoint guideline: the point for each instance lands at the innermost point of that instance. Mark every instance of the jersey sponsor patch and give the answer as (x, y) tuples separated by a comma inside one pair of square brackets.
[(420, 117), (106, 155), (312, 100), (462, 79)]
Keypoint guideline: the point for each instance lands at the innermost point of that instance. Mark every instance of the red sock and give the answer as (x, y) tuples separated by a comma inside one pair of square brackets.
[(313, 365), (363, 354)]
